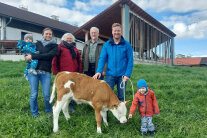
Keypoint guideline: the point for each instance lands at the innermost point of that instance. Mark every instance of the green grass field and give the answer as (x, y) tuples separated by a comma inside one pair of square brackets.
[(181, 93)]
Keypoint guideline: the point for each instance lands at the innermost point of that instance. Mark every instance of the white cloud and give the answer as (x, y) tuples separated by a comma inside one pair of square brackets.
[(71, 16), (48, 8), (173, 5), (81, 6), (55, 2), (101, 2), (196, 30)]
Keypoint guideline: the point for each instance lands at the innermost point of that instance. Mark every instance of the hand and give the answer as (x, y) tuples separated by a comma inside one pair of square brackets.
[(104, 73), (28, 57), (130, 116), (97, 75), (125, 78)]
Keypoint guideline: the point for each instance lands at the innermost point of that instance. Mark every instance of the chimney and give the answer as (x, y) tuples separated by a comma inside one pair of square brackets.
[(23, 7), (55, 17)]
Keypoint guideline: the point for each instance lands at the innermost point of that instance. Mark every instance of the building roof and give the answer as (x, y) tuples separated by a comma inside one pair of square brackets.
[(32, 18), (204, 61), (188, 61), (105, 19)]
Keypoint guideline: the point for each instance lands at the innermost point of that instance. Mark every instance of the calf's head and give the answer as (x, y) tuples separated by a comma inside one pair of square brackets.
[(120, 111)]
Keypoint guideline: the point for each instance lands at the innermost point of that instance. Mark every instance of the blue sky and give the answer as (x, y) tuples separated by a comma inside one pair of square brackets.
[(186, 18)]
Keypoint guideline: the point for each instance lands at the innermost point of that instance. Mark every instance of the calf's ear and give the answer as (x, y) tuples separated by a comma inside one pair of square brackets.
[(127, 102)]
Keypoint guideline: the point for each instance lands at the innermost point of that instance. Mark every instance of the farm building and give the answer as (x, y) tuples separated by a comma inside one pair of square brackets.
[(16, 22), (150, 39), (191, 62)]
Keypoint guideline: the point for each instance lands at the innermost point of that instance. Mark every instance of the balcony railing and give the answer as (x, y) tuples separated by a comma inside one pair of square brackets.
[(9, 47)]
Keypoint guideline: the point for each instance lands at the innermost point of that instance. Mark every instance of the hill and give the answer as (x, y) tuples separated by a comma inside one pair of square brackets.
[(181, 94)]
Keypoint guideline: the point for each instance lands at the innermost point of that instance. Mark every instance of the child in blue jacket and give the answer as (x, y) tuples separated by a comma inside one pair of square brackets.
[(28, 47)]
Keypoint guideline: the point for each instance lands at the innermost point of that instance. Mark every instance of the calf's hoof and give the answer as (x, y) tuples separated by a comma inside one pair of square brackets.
[(55, 130), (99, 130)]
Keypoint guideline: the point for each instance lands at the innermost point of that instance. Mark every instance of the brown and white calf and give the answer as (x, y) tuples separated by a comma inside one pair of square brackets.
[(85, 89)]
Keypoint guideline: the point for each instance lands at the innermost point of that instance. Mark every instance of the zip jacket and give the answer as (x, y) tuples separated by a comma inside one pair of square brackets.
[(146, 103), (119, 58), (85, 54), (45, 56), (63, 60)]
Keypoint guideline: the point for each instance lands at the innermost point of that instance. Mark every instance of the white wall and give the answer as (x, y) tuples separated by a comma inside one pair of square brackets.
[(12, 57), (15, 34), (2, 24), (80, 45)]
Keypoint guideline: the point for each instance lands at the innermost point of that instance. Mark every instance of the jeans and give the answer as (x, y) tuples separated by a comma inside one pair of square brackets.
[(111, 80), (45, 80), (147, 124), (91, 72)]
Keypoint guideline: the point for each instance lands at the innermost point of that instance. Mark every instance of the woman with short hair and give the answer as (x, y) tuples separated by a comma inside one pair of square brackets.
[(67, 58)]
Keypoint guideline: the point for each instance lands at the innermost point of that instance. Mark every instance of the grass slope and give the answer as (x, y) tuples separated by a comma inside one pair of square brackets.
[(181, 93)]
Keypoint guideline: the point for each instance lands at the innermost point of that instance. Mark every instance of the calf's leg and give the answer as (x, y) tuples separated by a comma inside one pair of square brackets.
[(56, 111), (104, 115), (65, 109), (98, 120)]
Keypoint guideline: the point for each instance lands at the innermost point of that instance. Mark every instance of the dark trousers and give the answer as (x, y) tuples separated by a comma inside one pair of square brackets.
[(91, 71)]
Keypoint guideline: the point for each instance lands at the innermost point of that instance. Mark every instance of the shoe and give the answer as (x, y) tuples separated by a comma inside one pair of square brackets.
[(33, 71), (71, 106), (144, 133), (72, 110), (35, 116), (152, 133)]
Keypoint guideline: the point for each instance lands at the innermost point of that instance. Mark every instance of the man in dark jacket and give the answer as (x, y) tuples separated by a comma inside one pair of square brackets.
[(91, 53)]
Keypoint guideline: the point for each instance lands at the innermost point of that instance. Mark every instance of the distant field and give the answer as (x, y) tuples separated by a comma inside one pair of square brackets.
[(181, 94)]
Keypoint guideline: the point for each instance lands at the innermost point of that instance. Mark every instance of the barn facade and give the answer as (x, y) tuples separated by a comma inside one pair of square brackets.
[(151, 40)]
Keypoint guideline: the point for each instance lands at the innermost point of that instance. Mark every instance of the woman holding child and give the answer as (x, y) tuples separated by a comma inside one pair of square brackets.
[(47, 48)]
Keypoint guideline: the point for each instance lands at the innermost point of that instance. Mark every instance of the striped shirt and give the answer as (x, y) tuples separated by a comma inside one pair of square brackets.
[(92, 52)]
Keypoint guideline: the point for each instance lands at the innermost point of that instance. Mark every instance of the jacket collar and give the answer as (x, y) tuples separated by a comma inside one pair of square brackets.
[(122, 41), (99, 41)]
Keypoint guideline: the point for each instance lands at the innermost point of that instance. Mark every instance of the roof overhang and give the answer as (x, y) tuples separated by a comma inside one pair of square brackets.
[(105, 19), (33, 18)]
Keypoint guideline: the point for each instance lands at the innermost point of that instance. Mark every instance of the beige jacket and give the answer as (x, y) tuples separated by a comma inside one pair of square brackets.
[(85, 55)]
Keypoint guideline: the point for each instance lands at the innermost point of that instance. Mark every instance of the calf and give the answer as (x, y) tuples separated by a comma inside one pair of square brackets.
[(85, 89)]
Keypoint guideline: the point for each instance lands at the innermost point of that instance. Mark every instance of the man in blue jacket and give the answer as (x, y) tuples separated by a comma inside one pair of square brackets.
[(118, 54)]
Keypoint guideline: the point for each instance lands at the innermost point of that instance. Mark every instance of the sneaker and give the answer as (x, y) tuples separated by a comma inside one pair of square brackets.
[(26, 77), (35, 116), (144, 133), (71, 106), (33, 71), (152, 133)]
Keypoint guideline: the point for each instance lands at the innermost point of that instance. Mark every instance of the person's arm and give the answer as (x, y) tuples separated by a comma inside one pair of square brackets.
[(102, 59), (46, 56), (101, 62), (83, 57), (20, 45), (155, 105), (130, 61), (56, 63), (134, 105), (55, 68), (79, 62)]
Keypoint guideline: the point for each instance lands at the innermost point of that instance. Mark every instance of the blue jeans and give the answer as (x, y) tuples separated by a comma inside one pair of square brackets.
[(91, 72), (45, 80), (112, 81)]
